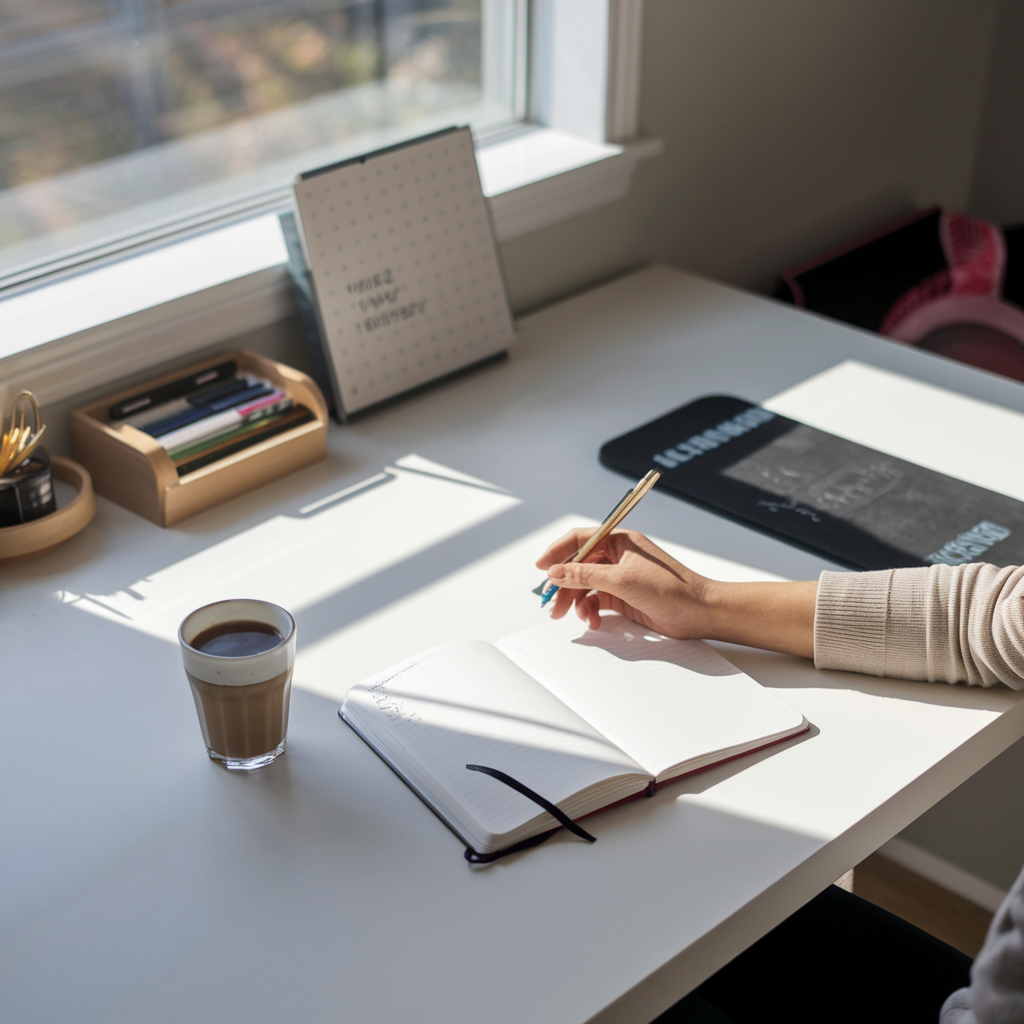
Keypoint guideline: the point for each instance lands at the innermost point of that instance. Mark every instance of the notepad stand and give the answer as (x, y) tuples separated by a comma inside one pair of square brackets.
[(131, 468), (398, 277)]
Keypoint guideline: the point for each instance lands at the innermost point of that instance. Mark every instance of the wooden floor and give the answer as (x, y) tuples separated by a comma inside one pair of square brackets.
[(923, 903)]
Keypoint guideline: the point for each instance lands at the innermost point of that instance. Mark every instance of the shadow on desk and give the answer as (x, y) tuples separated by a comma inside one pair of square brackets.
[(786, 672), (628, 814)]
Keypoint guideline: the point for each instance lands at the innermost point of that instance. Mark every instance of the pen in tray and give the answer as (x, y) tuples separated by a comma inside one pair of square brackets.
[(208, 405), (233, 429), (214, 424), (192, 400), (175, 389), (250, 434)]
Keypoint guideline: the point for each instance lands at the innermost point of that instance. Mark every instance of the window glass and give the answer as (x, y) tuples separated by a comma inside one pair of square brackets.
[(121, 117)]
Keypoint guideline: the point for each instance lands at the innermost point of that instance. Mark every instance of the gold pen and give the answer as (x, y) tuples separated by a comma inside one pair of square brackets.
[(617, 514)]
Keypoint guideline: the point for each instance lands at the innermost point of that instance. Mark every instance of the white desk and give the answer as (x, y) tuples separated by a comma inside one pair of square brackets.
[(141, 882)]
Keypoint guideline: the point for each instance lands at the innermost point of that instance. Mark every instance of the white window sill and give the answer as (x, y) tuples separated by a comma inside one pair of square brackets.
[(82, 331)]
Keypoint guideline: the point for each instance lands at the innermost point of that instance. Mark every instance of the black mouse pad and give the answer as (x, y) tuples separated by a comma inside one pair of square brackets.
[(852, 504)]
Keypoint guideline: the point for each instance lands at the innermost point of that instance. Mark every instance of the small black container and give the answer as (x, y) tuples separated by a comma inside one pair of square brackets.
[(26, 492)]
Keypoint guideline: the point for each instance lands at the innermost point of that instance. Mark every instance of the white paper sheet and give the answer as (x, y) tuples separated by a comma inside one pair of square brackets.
[(466, 703), (662, 701)]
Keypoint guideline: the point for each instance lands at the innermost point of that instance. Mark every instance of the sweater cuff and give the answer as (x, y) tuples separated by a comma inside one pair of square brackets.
[(873, 622), (849, 621)]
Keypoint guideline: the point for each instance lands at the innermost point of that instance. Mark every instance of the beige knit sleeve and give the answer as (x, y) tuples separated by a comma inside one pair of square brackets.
[(944, 623)]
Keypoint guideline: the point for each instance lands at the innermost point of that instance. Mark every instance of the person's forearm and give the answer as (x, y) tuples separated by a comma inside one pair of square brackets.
[(775, 616)]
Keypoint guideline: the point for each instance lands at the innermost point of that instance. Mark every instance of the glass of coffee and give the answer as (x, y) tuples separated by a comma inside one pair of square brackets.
[(238, 657)]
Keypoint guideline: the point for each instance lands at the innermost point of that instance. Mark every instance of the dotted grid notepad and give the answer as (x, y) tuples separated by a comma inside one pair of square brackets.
[(404, 266)]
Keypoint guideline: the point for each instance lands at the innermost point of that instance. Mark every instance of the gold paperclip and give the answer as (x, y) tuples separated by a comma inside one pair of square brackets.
[(19, 442)]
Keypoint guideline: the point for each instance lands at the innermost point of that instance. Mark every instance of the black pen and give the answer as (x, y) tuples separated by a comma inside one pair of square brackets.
[(175, 389)]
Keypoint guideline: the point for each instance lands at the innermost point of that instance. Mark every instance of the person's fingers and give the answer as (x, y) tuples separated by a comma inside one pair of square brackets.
[(588, 608), (562, 601), (593, 603), (565, 547), (628, 574), (569, 543), (584, 576)]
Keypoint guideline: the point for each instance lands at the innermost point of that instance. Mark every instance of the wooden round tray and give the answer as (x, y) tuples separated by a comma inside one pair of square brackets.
[(26, 540)]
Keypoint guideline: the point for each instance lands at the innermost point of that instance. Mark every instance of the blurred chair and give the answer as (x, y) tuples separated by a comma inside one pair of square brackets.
[(941, 281)]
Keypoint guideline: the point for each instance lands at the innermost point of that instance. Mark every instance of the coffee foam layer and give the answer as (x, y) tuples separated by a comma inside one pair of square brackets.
[(254, 668)]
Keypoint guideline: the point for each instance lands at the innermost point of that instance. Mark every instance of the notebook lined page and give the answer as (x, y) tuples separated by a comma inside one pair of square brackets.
[(662, 701), (466, 703)]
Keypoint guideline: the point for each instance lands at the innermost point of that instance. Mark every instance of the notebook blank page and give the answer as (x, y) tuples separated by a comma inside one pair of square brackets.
[(662, 701), (466, 703)]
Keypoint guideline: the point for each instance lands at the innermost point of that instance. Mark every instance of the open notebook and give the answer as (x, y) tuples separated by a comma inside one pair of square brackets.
[(582, 718)]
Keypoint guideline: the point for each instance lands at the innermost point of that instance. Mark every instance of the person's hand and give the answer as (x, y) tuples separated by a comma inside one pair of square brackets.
[(631, 575)]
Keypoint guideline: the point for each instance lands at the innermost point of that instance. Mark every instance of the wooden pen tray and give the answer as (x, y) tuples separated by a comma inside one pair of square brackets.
[(130, 467)]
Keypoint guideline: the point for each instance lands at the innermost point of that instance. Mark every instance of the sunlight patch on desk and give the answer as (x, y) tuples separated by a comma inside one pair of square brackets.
[(890, 736), (327, 546), (911, 420), (486, 600)]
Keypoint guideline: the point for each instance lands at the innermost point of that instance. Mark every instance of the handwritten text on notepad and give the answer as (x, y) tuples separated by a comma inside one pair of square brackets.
[(387, 703)]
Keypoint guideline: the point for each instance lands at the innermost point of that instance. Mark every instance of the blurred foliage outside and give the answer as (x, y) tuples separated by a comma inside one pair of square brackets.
[(83, 81)]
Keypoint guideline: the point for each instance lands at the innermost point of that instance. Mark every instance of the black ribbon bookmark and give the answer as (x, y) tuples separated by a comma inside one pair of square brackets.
[(556, 812)]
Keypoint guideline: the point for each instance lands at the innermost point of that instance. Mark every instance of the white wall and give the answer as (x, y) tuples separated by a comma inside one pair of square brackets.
[(788, 126), (998, 190)]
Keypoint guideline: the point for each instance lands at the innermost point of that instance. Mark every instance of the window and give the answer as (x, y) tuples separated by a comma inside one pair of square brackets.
[(162, 277), (122, 120)]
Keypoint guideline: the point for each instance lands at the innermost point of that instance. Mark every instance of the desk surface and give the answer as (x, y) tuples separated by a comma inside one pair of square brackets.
[(143, 882)]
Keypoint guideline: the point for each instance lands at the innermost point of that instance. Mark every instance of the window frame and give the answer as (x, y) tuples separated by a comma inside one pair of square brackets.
[(128, 312)]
